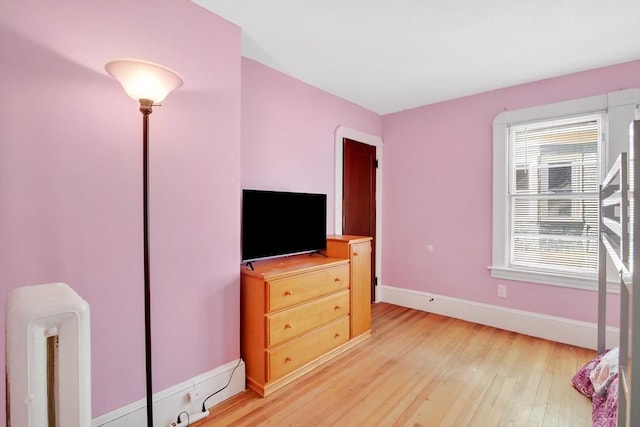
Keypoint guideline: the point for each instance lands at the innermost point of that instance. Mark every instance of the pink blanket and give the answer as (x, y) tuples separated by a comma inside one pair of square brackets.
[(602, 372)]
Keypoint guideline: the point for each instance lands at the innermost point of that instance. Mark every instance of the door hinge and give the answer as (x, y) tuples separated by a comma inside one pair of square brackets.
[(375, 281), (377, 164)]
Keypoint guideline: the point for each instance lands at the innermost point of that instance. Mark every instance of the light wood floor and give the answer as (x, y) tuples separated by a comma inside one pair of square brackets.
[(421, 369)]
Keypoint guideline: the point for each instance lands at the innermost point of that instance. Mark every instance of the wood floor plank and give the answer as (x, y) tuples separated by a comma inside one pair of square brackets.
[(431, 402), (529, 377), (421, 369)]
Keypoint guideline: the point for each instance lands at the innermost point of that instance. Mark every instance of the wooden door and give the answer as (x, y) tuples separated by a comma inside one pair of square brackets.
[(359, 195)]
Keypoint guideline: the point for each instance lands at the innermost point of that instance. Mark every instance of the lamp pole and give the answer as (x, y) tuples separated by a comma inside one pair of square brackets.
[(145, 109), (147, 83)]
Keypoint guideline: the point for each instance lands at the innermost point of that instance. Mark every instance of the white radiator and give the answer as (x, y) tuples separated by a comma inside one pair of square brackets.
[(48, 357)]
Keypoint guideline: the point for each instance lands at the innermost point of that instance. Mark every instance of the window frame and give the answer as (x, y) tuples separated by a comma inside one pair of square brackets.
[(619, 110)]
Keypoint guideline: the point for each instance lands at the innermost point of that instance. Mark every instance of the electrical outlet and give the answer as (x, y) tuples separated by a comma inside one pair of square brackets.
[(193, 395), (502, 291)]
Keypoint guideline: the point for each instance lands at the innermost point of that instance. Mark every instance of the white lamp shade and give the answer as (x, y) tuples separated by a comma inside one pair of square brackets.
[(143, 79)]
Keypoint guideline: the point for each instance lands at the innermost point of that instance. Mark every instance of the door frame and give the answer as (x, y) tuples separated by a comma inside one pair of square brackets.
[(365, 138)]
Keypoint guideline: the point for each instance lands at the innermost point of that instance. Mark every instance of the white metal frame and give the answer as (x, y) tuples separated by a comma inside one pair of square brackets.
[(619, 234)]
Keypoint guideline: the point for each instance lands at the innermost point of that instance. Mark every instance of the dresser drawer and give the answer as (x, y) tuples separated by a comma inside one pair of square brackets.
[(287, 324), (289, 291), (292, 355)]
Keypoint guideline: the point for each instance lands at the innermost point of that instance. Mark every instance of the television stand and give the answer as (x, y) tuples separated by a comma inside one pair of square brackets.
[(298, 312)]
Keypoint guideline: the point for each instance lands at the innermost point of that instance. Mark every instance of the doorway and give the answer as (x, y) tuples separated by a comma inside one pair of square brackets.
[(359, 195), (340, 134)]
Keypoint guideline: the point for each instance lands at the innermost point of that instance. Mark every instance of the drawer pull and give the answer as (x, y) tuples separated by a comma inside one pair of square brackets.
[(355, 254), (337, 279), (287, 326), (287, 293), (337, 335), (336, 308), (287, 359)]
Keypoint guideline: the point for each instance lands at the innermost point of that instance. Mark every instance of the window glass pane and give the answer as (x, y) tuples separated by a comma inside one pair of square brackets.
[(522, 180), (556, 157), (542, 237), (554, 195), (560, 179)]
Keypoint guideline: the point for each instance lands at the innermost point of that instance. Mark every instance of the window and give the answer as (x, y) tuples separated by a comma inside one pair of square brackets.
[(547, 164), (553, 196)]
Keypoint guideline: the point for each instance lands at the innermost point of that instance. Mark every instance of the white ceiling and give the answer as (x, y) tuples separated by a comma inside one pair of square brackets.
[(392, 55)]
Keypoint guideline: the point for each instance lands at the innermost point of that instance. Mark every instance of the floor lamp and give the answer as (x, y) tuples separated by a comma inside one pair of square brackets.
[(147, 83)]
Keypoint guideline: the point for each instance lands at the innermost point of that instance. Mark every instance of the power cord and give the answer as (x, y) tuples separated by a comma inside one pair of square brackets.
[(227, 385), (204, 408), (180, 414)]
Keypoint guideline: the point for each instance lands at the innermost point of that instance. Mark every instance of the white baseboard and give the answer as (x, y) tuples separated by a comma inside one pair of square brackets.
[(167, 404), (559, 329)]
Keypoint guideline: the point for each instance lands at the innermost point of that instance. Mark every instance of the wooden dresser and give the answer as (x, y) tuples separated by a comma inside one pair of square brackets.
[(295, 315), (358, 250)]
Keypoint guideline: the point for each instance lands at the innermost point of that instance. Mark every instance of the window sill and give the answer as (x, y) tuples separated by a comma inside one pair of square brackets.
[(589, 283)]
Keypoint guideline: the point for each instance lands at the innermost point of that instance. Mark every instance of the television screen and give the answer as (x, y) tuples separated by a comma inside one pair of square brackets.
[(276, 223)]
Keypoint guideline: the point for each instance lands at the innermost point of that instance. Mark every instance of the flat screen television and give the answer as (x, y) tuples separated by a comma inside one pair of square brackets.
[(278, 223)]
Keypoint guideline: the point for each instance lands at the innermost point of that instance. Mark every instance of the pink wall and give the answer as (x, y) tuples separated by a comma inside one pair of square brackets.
[(438, 190), (70, 179), (288, 132), (70, 182)]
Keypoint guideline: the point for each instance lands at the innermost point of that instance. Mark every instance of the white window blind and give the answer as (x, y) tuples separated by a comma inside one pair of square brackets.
[(553, 194)]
